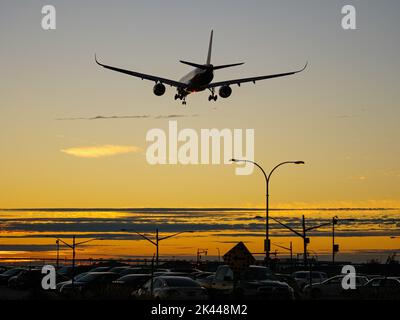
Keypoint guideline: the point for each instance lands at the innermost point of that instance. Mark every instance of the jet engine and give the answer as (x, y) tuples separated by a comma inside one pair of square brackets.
[(225, 91), (159, 89)]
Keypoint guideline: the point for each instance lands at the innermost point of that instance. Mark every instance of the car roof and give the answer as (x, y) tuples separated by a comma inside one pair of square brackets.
[(101, 272), (174, 277), (308, 272), (136, 275), (383, 278)]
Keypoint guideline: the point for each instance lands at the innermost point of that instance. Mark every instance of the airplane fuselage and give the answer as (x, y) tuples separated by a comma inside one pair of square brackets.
[(197, 80)]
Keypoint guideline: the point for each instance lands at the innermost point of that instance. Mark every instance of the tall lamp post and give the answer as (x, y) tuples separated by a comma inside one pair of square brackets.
[(157, 240), (335, 247), (58, 253), (73, 247), (267, 243)]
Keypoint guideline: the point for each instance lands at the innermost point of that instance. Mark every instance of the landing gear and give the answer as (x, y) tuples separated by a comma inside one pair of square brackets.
[(180, 96), (212, 96)]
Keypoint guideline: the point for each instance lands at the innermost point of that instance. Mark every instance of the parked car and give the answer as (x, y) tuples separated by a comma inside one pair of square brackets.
[(135, 270), (172, 288), (76, 279), (303, 277), (5, 276), (120, 270), (201, 274), (65, 273), (124, 286), (174, 274), (142, 270), (291, 282), (27, 279), (91, 285), (332, 288), (255, 282), (206, 282), (100, 269), (383, 288)]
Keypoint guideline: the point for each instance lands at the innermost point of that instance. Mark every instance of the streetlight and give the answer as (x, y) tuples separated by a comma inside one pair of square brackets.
[(73, 247), (303, 234), (290, 249), (157, 240), (58, 252), (267, 244), (335, 247)]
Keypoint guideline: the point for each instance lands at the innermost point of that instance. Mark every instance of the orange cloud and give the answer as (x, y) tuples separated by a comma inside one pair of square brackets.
[(100, 151)]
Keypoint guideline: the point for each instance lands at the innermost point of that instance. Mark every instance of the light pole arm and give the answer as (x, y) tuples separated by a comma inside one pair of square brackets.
[(68, 245), (173, 235), (144, 237), (256, 164), (319, 226), (82, 242), (287, 227), (278, 165), (279, 246)]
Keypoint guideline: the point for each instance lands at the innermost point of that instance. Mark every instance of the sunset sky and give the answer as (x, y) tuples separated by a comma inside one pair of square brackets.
[(341, 115)]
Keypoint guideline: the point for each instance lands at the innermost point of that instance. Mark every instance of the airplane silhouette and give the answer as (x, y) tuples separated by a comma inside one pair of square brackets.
[(198, 79)]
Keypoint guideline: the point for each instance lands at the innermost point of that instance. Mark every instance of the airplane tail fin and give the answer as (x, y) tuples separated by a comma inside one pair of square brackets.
[(208, 62)]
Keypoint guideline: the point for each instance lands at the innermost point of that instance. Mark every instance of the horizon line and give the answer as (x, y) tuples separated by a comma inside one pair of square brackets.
[(192, 208)]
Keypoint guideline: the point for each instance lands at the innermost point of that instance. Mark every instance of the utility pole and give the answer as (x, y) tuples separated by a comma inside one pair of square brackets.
[(156, 243), (157, 246), (73, 247), (303, 234), (58, 253), (291, 253), (73, 262), (335, 247), (305, 241)]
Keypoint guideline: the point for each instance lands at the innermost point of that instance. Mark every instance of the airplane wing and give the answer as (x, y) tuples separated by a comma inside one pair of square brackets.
[(253, 79), (144, 76)]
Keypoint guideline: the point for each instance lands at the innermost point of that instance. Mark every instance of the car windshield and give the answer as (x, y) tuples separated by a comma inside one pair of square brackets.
[(79, 276), (181, 282), (64, 270), (89, 277)]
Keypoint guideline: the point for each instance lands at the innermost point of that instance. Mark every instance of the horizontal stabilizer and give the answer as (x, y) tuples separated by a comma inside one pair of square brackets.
[(196, 65), (204, 66), (227, 66)]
